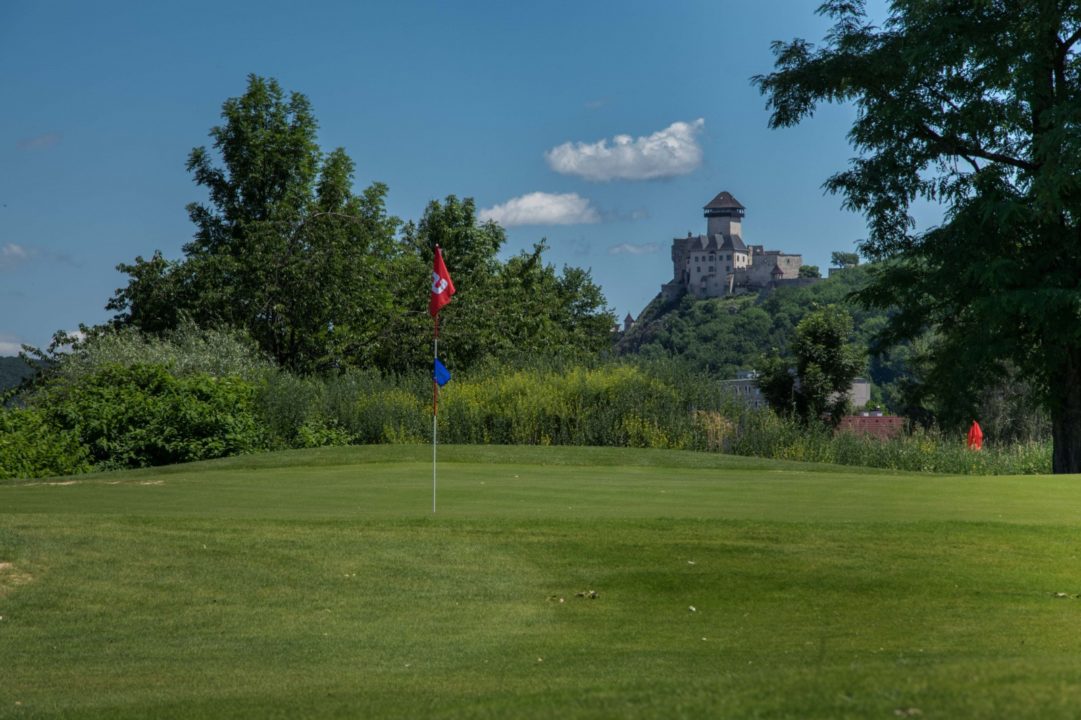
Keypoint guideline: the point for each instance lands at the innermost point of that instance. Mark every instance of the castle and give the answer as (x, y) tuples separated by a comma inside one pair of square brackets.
[(719, 263)]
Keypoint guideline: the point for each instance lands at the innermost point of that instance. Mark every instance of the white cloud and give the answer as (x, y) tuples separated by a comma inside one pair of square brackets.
[(632, 249), (539, 208), (11, 250), (666, 153), (12, 254), (9, 345)]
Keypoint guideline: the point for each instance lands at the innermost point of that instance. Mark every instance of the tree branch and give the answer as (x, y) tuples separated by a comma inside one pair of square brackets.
[(967, 150), (1065, 45)]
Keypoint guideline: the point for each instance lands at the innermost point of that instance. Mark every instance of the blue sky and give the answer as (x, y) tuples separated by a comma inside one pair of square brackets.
[(601, 126)]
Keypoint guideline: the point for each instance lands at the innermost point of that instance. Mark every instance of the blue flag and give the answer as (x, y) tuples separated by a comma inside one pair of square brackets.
[(440, 373)]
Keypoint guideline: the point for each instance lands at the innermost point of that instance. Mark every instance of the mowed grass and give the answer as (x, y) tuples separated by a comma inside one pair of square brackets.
[(320, 584)]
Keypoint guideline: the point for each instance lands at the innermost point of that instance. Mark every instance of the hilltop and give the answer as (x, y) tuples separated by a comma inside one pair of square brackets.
[(12, 372), (719, 336)]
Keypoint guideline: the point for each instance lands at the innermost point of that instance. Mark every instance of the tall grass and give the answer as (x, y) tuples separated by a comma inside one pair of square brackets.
[(764, 434), (661, 404), (614, 405)]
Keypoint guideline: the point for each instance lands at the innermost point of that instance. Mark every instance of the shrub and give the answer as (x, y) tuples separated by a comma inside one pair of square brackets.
[(143, 415), (188, 350), (31, 447)]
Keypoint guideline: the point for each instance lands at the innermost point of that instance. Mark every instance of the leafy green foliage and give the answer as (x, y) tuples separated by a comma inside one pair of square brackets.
[(186, 350), (142, 415), (844, 260), (718, 337), (809, 271), (30, 446), (825, 364), (501, 311), (283, 250), (972, 106)]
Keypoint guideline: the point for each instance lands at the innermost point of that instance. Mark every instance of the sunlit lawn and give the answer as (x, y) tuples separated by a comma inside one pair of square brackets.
[(320, 584)]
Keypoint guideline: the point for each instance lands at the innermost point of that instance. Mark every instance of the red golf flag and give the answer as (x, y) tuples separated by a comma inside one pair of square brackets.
[(975, 437), (442, 286)]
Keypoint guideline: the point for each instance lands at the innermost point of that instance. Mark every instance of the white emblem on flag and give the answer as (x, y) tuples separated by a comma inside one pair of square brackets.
[(438, 284)]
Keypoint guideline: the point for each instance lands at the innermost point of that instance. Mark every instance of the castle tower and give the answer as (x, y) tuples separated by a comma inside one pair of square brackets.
[(724, 215)]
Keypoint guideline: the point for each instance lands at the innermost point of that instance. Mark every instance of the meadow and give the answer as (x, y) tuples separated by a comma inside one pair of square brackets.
[(552, 582)]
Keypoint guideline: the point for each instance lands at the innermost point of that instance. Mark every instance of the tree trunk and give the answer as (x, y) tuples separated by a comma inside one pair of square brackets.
[(1066, 417)]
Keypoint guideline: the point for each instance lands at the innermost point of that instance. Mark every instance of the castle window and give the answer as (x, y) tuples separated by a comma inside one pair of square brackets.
[(711, 268), (728, 268)]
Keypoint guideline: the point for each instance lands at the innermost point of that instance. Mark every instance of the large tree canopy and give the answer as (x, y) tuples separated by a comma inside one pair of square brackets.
[(975, 106), (283, 248), (506, 311), (316, 274)]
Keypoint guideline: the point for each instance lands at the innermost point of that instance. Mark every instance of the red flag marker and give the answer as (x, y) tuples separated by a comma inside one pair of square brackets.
[(442, 285), (975, 437), (442, 289)]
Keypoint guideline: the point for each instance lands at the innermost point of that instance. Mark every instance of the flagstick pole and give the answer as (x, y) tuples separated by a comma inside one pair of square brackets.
[(435, 407)]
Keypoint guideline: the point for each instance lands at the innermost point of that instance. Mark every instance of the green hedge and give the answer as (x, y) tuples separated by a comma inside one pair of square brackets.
[(31, 447), (143, 415)]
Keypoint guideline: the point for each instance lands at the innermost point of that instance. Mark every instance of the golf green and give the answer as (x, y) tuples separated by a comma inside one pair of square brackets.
[(551, 582)]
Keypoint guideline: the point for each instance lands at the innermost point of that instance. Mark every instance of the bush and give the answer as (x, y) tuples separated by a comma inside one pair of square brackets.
[(188, 350), (143, 415), (31, 447)]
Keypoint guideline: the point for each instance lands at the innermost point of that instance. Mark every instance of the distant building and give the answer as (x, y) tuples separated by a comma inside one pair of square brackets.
[(744, 388), (628, 322), (719, 263)]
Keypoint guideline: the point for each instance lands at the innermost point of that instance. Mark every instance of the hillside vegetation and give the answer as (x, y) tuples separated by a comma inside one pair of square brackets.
[(719, 336), (12, 372)]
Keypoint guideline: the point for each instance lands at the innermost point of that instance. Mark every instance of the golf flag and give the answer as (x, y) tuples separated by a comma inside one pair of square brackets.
[(440, 373), (442, 286), (975, 437)]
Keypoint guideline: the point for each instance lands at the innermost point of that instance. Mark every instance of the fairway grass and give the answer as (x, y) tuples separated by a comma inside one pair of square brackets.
[(319, 584)]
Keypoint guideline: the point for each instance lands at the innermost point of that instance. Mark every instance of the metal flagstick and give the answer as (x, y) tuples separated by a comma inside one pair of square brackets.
[(435, 406)]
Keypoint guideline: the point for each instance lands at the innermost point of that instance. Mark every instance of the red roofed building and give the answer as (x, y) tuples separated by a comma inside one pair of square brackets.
[(883, 427)]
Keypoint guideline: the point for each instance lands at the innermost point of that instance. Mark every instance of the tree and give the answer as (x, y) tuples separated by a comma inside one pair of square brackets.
[(502, 311), (809, 271), (283, 248), (973, 106), (816, 382), (844, 260)]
